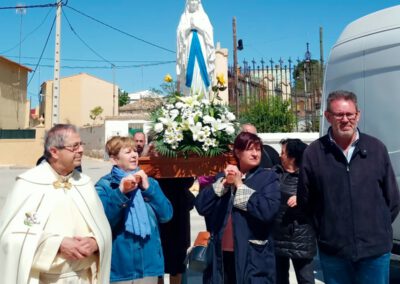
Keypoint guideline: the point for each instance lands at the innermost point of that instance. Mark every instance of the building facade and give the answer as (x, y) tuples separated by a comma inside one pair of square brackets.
[(14, 106), (79, 94)]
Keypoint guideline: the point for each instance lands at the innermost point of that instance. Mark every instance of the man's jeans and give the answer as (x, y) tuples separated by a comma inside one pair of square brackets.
[(373, 270)]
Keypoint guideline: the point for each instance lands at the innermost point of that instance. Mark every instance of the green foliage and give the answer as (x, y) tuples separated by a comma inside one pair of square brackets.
[(169, 89), (309, 72), (313, 124), (95, 112), (272, 114), (123, 98), (164, 150), (156, 91)]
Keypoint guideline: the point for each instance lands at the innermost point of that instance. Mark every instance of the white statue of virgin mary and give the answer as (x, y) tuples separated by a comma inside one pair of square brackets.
[(195, 63)]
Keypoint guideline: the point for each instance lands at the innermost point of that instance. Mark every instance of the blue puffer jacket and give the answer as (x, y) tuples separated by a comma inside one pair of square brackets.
[(132, 257)]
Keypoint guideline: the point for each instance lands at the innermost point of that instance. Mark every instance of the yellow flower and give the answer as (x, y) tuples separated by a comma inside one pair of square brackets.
[(221, 79), (168, 78)]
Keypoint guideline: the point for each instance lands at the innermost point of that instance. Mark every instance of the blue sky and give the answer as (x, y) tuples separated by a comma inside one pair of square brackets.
[(269, 29)]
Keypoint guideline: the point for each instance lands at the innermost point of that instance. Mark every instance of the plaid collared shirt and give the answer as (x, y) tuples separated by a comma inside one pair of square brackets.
[(242, 193)]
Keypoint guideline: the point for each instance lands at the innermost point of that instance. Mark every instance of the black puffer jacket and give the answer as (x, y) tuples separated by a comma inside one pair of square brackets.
[(293, 234)]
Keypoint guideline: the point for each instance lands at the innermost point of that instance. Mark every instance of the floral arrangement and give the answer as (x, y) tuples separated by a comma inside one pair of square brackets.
[(188, 125)]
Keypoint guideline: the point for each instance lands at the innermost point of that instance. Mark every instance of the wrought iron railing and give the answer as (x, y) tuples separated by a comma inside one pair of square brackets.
[(300, 84)]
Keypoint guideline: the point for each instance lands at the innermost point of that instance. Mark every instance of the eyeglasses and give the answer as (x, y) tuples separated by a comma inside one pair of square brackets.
[(341, 115), (73, 148)]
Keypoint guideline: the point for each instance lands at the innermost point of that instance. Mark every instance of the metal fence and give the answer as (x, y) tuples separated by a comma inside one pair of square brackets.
[(298, 82)]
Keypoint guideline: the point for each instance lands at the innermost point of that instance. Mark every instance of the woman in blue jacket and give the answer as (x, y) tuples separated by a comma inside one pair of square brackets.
[(134, 205), (239, 209)]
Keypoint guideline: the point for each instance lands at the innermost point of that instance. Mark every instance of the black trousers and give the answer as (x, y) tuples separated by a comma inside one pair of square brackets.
[(175, 234), (229, 267), (303, 268)]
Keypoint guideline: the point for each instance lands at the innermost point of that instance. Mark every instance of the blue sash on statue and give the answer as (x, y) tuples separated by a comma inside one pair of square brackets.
[(195, 51)]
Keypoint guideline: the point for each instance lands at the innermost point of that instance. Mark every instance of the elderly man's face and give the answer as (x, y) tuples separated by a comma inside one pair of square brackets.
[(70, 156)]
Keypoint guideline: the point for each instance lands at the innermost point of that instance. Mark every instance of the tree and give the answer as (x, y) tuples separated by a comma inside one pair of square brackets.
[(156, 92), (272, 114), (96, 112), (123, 98), (309, 72)]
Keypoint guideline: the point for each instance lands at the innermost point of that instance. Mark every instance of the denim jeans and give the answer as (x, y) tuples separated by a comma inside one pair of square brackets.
[(372, 270)]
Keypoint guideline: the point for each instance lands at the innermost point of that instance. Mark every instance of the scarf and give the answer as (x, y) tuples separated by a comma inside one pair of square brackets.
[(136, 219)]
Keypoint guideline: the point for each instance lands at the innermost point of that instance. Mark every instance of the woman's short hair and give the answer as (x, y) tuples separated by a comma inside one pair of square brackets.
[(294, 149), (116, 143), (245, 140)]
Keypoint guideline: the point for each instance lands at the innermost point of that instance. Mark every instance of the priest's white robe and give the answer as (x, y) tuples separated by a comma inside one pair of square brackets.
[(35, 219)]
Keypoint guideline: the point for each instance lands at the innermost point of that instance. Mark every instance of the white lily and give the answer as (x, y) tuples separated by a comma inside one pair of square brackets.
[(190, 100), (196, 130), (230, 116), (217, 125), (174, 113), (208, 119), (230, 129), (168, 121), (179, 105), (158, 127)]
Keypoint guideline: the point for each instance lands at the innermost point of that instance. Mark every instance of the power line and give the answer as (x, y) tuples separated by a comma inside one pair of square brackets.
[(89, 60), (44, 48), (29, 34), (30, 6), (84, 42), (105, 66), (121, 31)]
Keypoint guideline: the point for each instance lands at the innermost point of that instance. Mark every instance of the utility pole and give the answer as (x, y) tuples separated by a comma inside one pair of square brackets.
[(21, 10), (235, 73), (113, 69), (56, 82)]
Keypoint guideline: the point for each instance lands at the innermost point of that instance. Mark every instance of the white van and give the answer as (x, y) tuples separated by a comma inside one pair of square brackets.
[(366, 61)]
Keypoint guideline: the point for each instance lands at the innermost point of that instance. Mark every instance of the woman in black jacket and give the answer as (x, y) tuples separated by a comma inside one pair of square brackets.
[(293, 235), (239, 209)]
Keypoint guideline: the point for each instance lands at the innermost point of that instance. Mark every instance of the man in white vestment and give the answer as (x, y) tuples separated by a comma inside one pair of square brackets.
[(195, 64), (53, 228)]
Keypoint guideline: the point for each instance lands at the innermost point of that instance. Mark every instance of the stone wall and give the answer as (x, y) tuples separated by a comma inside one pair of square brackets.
[(94, 139), (273, 139)]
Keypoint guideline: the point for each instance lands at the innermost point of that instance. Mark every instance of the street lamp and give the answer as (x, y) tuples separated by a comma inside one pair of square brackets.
[(20, 10), (306, 68)]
